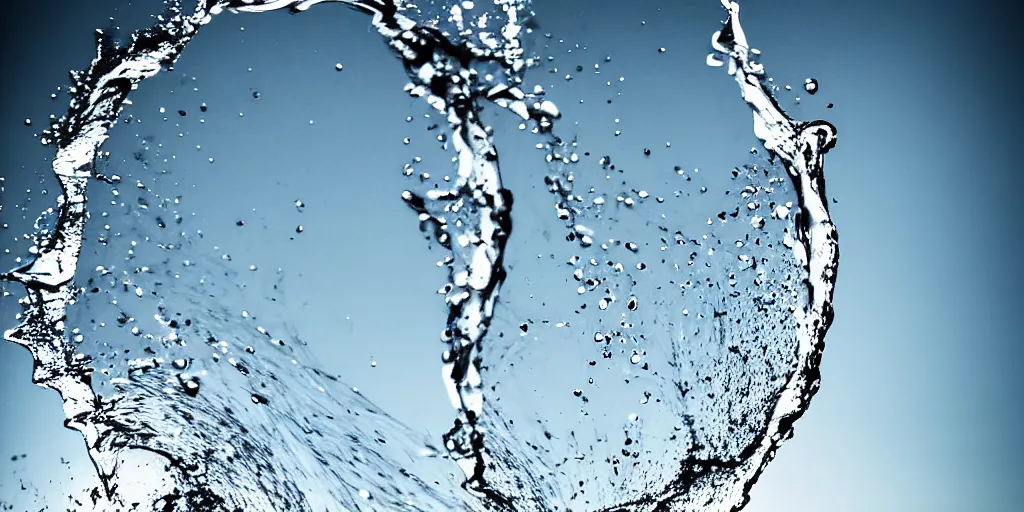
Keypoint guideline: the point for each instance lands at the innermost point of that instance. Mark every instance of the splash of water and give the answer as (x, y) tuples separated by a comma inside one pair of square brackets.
[(48, 278), (801, 147), (472, 220)]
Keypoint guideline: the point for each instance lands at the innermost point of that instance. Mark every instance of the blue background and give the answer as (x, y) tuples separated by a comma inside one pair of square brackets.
[(920, 394)]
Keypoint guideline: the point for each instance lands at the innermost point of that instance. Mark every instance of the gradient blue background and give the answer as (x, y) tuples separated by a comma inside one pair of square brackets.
[(920, 396)]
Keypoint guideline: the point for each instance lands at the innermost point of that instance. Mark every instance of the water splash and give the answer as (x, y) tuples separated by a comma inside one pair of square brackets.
[(97, 99), (801, 147), (717, 447)]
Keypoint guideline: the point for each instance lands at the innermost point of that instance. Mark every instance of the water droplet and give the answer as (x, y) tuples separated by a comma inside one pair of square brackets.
[(811, 85)]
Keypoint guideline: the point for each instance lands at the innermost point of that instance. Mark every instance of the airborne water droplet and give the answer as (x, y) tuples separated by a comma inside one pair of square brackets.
[(811, 85)]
